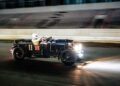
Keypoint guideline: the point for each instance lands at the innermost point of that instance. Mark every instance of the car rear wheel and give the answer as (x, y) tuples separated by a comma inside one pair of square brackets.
[(68, 58), (18, 53)]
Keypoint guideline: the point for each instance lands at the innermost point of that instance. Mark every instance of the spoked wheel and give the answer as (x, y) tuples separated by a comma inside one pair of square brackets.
[(68, 58), (18, 54)]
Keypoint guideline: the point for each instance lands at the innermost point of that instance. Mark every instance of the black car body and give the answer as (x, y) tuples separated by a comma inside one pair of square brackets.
[(57, 48)]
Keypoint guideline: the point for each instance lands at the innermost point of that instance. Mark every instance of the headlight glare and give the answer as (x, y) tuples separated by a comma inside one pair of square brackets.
[(78, 47)]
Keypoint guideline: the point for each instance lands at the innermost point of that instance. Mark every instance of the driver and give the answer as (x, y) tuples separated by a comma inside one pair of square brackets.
[(36, 41)]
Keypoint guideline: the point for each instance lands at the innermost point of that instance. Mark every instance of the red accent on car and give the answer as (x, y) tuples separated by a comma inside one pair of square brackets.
[(37, 47)]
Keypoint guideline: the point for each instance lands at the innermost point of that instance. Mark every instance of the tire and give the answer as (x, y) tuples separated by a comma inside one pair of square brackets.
[(18, 53), (68, 58)]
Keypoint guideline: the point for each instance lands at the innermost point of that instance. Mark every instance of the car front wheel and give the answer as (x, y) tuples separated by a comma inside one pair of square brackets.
[(68, 58), (18, 53)]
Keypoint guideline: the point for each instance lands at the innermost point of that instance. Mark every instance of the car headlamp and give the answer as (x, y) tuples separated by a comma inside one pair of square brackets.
[(78, 48)]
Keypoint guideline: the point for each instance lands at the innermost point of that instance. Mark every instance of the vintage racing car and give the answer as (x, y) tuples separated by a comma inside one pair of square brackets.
[(65, 50)]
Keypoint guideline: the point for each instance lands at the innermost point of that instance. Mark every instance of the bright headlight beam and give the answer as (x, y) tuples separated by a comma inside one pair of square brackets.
[(109, 66), (78, 47)]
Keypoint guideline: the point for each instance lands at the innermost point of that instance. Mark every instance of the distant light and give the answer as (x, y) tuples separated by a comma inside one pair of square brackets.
[(100, 16), (14, 19)]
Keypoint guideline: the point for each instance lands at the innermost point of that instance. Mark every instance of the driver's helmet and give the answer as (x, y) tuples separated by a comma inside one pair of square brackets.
[(35, 39), (35, 36)]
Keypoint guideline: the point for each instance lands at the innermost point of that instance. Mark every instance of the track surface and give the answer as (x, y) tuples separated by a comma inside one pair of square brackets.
[(102, 70)]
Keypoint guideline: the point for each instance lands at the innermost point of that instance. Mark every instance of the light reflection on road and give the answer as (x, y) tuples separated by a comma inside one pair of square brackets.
[(105, 66)]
